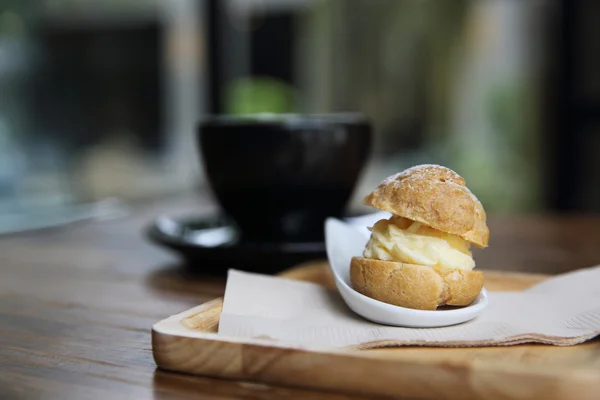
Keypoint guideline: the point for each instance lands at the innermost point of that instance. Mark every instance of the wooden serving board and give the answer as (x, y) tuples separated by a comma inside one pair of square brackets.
[(188, 342)]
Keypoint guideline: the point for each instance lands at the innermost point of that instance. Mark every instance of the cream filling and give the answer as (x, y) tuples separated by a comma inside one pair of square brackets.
[(402, 240)]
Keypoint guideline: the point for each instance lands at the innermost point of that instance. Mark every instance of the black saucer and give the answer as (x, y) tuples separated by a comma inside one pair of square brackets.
[(213, 244)]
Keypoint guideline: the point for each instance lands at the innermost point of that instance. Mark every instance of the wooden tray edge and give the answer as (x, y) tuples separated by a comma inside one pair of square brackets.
[(257, 360)]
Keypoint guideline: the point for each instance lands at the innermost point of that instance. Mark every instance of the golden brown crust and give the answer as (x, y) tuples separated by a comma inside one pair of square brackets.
[(414, 286), (435, 196)]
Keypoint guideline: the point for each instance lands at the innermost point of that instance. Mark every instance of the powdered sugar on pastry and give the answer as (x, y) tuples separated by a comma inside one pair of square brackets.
[(435, 196)]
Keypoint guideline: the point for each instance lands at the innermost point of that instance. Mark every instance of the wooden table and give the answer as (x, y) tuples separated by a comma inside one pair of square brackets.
[(77, 303)]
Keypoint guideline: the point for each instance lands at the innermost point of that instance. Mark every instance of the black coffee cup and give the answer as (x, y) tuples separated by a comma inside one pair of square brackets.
[(279, 177)]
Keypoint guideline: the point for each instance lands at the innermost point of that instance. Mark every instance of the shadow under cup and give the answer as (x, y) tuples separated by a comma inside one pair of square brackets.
[(280, 178)]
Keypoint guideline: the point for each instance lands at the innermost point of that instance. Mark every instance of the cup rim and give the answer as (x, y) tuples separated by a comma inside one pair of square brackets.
[(286, 120)]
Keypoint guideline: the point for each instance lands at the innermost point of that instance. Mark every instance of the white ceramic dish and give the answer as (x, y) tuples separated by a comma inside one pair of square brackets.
[(344, 241)]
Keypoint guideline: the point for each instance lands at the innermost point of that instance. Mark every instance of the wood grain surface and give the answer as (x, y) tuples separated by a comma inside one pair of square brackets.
[(77, 303)]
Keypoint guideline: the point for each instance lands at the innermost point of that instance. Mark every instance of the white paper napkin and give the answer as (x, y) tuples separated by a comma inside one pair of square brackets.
[(563, 310)]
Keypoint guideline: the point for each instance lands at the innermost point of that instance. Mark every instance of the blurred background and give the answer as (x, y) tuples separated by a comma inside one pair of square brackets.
[(99, 100)]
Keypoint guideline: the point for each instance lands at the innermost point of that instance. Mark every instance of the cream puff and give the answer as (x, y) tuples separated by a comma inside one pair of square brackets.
[(421, 256)]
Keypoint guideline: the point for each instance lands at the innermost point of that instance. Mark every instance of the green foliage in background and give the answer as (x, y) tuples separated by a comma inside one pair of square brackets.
[(500, 165), (256, 95)]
